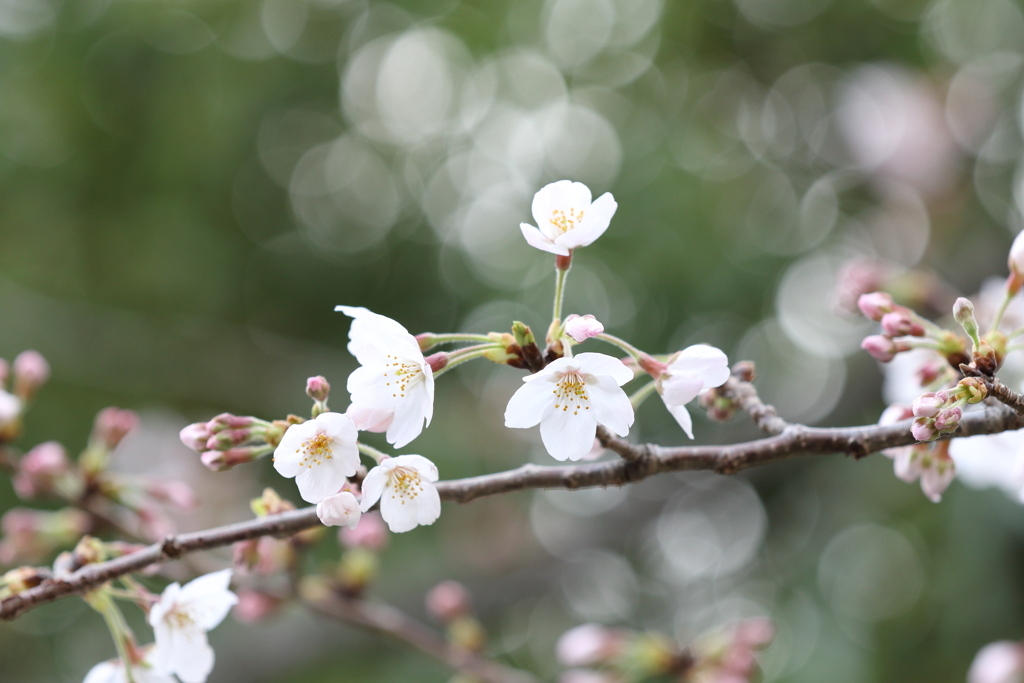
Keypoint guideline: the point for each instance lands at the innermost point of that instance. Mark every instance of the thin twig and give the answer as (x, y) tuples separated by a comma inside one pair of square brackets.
[(639, 462), (743, 393), (390, 621)]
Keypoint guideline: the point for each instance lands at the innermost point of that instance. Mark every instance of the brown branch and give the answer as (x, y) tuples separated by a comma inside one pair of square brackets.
[(639, 462), (741, 391), (391, 622), (1004, 394)]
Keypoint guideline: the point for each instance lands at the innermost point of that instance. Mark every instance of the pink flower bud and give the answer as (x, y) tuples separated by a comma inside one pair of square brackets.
[(437, 361), (195, 436), (923, 430), (447, 601), (229, 421), (228, 438), (218, 461), (370, 533), (317, 388), (1016, 259), (999, 662), (899, 323), (929, 405), (111, 425), (929, 372), (581, 328), (875, 305), (588, 645), (253, 606), (881, 348), (948, 419), (39, 470), (30, 373), (341, 509)]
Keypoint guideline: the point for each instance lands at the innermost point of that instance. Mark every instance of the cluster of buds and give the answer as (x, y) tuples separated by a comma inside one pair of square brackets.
[(228, 440), (939, 412), (30, 372), (928, 461), (450, 604), (904, 330)]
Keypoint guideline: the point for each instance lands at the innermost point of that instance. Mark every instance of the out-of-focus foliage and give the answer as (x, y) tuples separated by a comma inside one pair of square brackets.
[(187, 189)]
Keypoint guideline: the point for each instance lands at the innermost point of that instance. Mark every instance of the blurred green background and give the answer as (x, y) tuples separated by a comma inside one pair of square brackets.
[(188, 189)]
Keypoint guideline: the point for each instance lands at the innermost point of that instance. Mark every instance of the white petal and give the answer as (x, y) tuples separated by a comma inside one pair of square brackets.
[(701, 360), (681, 415), (208, 599), (369, 328), (611, 405), (428, 506), (425, 467), (527, 405), (371, 419), (568, 436), (368, 388), (427, 394), (319, 481), (106, 672), (399, 514), (165, 604), (408, 422), (678, 390), (535, 238), (191, 657), (595, 222), (373, 486), (603, 364)]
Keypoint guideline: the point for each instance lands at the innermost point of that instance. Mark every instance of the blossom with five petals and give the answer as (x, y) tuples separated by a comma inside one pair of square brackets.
[(566, 218), (321, 454), (405, 488), (393, 389), (688, 373), (180, 620), (569, 398)]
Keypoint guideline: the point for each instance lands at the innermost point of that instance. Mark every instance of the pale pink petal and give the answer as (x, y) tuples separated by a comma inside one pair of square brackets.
[(682, 416), (603, 364), (611, 405), (527, 405), (567, 436), (535, 238)]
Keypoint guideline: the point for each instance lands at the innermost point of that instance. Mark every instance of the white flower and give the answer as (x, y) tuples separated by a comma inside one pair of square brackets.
[(991, 460), (393, 389), (321, 454), (113, 672), (690, 372), (582, 327), (180, 621), (10, 408), (998, 662), (404, 486), (569, 398), (566, 219), (341, 509)]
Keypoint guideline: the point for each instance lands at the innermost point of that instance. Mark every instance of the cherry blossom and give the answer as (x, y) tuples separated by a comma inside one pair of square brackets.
[(566, 218), (180, 620), (341, 509), (321, 454), (113, 671), (393, 390), (930, 462), (691, 371), (569, 398), (404, 486)]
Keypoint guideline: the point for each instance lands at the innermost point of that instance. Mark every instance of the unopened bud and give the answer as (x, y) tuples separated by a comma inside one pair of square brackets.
[(929, 405), (448, 601), (318, 389), (522, 334), (437, 361), (358, 567), (270, 503), (30, 373), (985, 359), (899, 323), (875, 305), (467, 633), (89, 550), (581, 328), (923, 429), (929, 372), (948, 419), (963, 313), (1016, 259), (195, 436), (21, 579), (218, 461), (111, 425), (340, 509), (229, 438), (881, 348), (229, 421)]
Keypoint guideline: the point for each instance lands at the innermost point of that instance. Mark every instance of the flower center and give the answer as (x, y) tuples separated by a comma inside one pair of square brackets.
[(571, 392), (179, 618), (402, 375), (314, 450), (405, 484), (566, 221)]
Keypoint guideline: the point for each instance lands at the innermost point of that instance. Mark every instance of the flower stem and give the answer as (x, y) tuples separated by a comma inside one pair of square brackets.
[(999, 313), (622, 344), (101, 601), (560, 277), (464, 354), (642, 393), (377, 456), (437, 339)]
